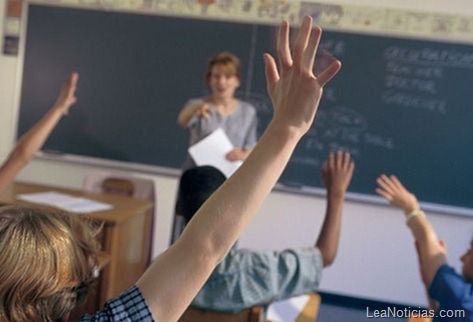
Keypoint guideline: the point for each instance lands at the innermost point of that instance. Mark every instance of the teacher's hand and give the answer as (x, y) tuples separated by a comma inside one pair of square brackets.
[(203, 111), (236, 154)]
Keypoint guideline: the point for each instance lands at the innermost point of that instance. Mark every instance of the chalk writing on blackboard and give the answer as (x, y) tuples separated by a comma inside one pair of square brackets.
[(413, 76), (401, 106)]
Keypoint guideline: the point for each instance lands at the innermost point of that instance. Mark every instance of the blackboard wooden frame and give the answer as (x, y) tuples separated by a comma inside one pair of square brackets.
[(412, 89)]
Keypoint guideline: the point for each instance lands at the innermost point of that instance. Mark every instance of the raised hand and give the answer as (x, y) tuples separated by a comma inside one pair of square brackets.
[(337, 172), (34, 139), (294, 90), (397, 195), (170, 284), (67, 95)]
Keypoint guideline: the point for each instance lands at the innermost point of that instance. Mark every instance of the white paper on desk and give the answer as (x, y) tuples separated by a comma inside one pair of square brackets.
[(65, 202), (211, 151), (287, 310)]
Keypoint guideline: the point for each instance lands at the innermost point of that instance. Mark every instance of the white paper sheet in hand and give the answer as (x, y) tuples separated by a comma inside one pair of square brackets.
[(211, 151), (65, 202)]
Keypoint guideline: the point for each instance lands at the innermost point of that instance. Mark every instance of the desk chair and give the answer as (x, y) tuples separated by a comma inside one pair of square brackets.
[(118, 186), (311, 309), (308, 313), (121, 183), (254, 314)]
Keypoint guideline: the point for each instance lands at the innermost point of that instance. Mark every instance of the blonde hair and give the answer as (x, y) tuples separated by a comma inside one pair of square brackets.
[(228, 61), (47, 263)]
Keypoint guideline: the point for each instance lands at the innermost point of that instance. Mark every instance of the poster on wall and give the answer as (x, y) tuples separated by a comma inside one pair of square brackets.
[(11, 27), (335, 17)]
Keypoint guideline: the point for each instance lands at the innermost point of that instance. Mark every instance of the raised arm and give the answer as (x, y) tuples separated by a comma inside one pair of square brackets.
[(431, 251), (34, 139), (177, 275), (337, 172)]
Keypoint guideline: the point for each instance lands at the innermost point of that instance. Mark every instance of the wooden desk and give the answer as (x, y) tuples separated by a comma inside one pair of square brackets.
[(122, 237)]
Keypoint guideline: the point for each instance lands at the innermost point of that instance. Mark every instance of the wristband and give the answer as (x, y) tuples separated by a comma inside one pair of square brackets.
[(413, 214)]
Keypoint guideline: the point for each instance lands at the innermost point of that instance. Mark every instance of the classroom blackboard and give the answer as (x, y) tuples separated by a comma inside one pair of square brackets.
[(402, 106)]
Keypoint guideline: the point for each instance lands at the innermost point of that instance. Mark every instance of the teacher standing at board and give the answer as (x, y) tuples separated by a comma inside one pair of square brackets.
[(221, 109)]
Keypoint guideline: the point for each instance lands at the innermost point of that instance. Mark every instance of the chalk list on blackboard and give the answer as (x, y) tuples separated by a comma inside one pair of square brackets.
[(399, 106)]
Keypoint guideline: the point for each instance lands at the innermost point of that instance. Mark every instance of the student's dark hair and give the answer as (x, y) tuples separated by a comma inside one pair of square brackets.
[(197, 185)]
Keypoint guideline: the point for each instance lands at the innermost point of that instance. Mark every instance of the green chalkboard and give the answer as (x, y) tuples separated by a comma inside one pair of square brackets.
[(402, 106)]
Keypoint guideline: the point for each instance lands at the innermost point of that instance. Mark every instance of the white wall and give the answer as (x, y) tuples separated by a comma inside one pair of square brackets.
[(376, 259)]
